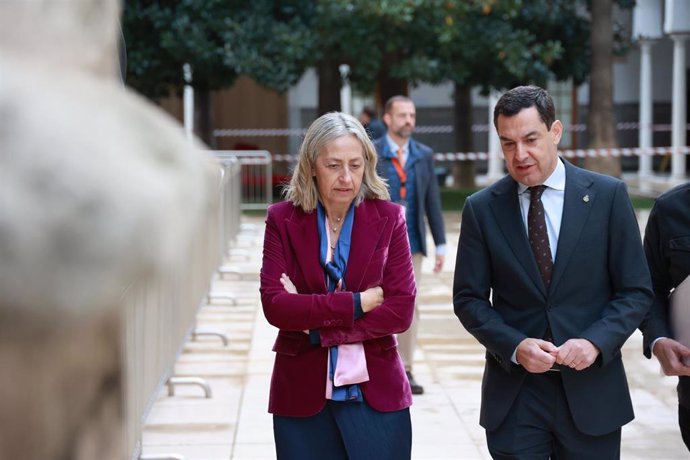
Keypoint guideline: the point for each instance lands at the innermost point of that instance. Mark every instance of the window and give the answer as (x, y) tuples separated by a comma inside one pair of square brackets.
[(564, 96)]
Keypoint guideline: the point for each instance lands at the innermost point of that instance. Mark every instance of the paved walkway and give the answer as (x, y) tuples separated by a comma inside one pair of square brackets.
[(234, 424)]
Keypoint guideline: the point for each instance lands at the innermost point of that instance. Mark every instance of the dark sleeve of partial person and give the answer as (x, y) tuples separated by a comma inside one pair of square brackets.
[(656, 324), (434, 211)]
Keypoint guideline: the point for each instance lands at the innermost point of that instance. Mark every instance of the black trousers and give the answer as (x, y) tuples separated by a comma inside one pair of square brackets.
[(684, 424), (344, 431), (539, 426)]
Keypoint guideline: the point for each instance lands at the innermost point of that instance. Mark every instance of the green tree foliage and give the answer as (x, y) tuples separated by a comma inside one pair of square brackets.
[(162, 36), (487, 43), (493, 44), (273, 41), (366, 35), (375, 34), (268, 41), (498, 43)]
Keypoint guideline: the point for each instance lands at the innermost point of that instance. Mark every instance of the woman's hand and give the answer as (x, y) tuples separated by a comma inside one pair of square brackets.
[(371, 298), (289, 288), (287, 284)]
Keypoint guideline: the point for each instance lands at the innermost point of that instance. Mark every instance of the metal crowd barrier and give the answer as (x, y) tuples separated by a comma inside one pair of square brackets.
[(230, 199), (256, 176), (160, 313)]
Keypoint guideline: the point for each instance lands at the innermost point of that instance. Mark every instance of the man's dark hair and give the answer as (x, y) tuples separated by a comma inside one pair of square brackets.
[(389, 103), (369, 111), (524, 97)]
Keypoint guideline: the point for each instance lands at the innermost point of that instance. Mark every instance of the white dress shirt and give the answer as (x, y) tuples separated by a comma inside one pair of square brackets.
[(552, 199), (394, 147)]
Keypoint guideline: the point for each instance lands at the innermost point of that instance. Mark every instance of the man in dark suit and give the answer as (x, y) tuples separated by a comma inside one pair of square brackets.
[(408, 166), (667, 246), (550, 277)]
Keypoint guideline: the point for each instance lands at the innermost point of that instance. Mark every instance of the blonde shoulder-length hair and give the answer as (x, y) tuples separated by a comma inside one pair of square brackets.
[(302, 190)]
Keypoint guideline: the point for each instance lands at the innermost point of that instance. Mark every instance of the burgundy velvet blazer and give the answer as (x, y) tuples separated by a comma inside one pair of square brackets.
[(379, 256)]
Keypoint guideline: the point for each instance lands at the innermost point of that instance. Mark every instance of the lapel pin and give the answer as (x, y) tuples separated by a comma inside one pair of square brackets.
[(585, 198)]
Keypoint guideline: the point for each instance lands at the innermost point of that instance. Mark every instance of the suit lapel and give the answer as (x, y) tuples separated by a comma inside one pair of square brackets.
[(304, 241), (506, 209), (420, 176), (366, 232), (386, 151), (576, 210), (302, 232)]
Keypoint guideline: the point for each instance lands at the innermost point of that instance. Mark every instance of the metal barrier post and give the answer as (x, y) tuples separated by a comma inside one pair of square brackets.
[(257, 176)]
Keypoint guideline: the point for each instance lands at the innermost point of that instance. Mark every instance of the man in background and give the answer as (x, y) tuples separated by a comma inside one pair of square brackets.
[(408, 166)]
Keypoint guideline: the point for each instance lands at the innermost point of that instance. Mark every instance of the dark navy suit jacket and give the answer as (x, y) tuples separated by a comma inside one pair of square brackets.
[(600, 291), (379, 256), (667, 246), (428, 195)]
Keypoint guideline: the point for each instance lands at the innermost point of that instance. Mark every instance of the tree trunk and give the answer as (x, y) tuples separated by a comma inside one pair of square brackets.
[(388, 86), (463, 171), (601, 123), (330, 84), (203, 116)]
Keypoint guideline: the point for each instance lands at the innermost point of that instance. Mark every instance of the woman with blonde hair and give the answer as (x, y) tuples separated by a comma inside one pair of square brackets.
[(337, 282)]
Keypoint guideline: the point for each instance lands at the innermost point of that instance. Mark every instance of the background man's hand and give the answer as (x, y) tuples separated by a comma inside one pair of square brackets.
[(438, 264)]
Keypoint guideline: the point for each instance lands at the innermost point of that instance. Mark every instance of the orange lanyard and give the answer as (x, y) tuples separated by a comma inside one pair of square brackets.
[(402, 175)]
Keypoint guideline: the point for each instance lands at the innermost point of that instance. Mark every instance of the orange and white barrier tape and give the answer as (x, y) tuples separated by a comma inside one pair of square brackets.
[(430, 129)]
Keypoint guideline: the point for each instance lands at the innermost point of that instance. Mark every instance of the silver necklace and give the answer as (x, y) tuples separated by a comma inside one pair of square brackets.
[(334, 228)]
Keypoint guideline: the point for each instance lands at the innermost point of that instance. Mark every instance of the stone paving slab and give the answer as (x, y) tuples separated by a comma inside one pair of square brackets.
[(234, 424)]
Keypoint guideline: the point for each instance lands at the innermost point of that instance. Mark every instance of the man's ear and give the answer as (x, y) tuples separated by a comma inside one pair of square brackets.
[(557, 131), (387, 119)]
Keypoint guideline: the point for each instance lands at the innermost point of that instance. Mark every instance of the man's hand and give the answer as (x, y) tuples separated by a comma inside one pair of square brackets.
[(438, 264), (672, 356), (536, 355), (577, 354), (371, 298)]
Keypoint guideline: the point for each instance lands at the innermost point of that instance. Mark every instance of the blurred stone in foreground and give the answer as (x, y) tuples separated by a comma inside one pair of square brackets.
[(97, 190)]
